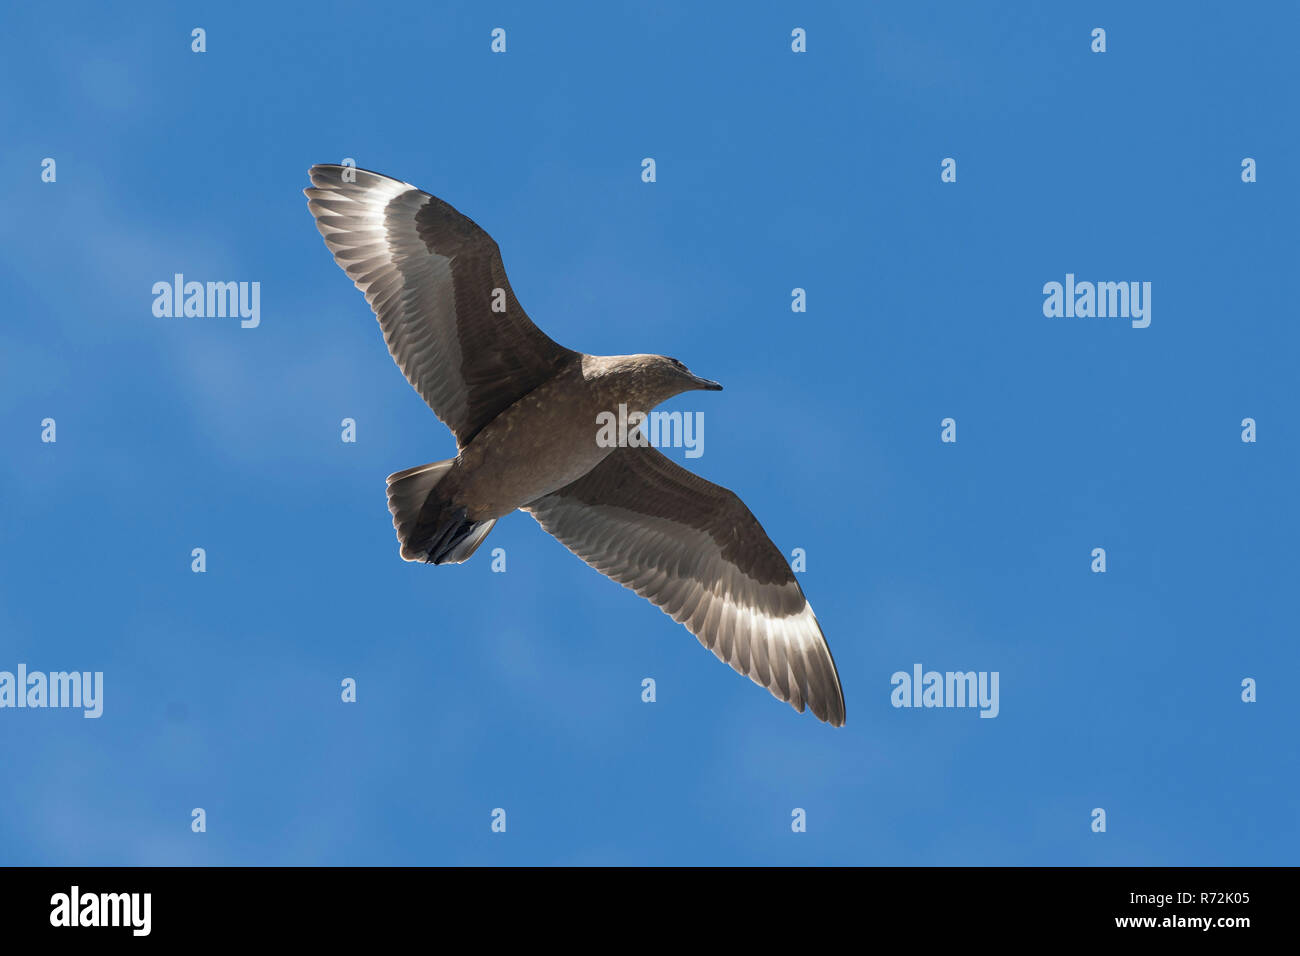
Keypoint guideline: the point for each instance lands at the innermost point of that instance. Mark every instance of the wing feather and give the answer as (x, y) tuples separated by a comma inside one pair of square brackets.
[(432, 276), (693, 549)]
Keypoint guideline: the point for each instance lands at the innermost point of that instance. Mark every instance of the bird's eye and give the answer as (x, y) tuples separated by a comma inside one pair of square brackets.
[(677, 363)]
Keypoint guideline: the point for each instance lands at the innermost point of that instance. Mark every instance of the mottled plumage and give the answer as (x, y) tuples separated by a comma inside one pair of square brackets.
[(524, 413)]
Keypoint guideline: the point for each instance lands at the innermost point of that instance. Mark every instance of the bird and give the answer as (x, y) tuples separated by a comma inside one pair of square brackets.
[(523, 411)]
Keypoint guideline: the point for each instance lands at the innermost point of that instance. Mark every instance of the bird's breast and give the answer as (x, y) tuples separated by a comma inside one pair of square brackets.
[(544, 441)]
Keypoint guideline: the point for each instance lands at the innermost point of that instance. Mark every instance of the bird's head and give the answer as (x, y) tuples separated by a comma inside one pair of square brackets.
[(672, 372), (657, 378)]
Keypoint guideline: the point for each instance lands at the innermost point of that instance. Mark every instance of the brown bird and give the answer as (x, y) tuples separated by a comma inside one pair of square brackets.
[(524, 412)]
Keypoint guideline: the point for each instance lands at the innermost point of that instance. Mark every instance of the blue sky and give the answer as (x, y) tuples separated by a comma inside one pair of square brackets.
[(775, 170)]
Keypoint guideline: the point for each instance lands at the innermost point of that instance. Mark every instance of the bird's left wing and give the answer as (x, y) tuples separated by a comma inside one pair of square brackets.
[(438, 286), (693, 549)]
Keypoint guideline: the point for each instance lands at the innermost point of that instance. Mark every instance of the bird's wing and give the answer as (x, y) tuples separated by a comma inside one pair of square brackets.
[(432, 277), (693, 549)]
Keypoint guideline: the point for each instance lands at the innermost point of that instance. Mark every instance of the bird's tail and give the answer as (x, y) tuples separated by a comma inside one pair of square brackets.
[(429, 527)]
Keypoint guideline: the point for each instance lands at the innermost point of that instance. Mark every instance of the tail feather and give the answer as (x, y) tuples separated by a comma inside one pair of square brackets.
[(430, 528)]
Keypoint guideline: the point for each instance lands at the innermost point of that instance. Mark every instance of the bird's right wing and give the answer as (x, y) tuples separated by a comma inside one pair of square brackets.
[(432, 277), (693, 549)]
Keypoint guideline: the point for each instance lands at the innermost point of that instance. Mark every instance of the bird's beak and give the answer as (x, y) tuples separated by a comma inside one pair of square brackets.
[(706, 384)]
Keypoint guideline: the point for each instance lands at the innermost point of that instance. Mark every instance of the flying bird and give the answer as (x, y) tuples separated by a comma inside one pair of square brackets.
[(524, 411)]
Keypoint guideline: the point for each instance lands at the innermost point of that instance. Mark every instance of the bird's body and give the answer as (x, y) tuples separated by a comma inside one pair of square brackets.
[(547, 438), (526, 413), (487, 477)]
